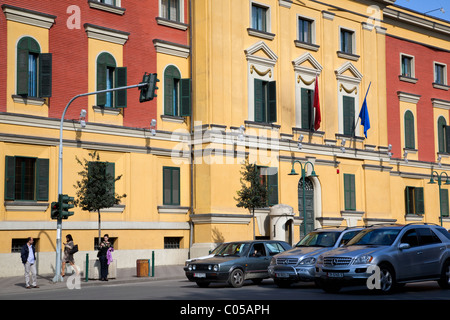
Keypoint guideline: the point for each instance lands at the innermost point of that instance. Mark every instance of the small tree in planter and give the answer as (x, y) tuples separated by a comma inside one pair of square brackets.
[(95, 191), (253, 194)]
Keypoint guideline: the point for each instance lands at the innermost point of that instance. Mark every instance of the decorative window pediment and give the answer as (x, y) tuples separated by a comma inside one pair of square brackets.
[(260, 53), (348, 72), (306, 63)]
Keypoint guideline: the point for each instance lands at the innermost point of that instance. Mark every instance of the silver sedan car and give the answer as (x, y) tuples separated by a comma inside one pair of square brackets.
[(386, 256), (298, 264)]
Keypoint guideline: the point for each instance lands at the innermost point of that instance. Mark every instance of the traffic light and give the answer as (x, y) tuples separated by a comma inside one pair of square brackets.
[(65, 203), (148, 91), (54, 210)]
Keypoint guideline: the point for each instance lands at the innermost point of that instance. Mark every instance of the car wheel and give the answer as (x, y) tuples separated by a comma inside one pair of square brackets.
[(444, 281), (387, 279), (236, 278), (203, 284)]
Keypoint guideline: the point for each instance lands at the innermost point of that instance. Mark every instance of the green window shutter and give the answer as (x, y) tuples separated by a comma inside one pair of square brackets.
[(185, 99), (441, 126), (349, 115), (306, 109), (42, 173), (349, 192), (259, 101), (419, 201), (101, 82), (447, 139), (272, 101), (272, 184), (121, 81), (10, 177), (110, 173), (409, 200), (171, 186), (444, 202), (45, 75), (409, 130), (22, 71)]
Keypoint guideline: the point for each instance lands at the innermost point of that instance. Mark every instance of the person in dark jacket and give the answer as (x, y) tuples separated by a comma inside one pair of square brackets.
[(102, 255), (28, 256)]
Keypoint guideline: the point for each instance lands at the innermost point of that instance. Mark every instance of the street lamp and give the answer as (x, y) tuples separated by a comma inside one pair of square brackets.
[(313, 174), (439, 181)]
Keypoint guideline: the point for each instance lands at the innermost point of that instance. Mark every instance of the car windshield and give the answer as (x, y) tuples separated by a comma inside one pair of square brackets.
[(230, 249), (319, 239), (376, 237), (218, 248)]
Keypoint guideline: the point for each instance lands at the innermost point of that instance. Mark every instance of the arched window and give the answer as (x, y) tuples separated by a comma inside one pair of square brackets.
[(177, 93), (442, 131), (110, 76), (33, 69), (409, 130)]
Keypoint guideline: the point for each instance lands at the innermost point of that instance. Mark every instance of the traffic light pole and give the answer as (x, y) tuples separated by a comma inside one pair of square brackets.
[(58, 277)]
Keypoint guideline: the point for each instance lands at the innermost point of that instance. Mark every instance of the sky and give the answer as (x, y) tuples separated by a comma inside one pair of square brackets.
[(428, 5)]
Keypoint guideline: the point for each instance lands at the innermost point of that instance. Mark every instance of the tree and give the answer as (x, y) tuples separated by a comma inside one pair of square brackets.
[(253, 194), (95, 191)]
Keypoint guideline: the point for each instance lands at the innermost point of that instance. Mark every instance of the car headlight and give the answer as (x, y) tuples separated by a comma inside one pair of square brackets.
[(307, 261), (364, 259), (190, 267), (216, 267)]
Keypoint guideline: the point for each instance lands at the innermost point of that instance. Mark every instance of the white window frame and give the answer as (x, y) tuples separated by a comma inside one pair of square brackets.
[(353, 39), (413, 65), (268, 15), (313, 28), (181, 8), (445, 72)]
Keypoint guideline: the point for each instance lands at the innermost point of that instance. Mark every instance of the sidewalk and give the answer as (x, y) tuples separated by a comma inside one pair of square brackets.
[(125, 275)]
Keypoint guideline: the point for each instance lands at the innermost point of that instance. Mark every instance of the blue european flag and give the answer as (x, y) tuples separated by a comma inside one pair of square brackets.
[(364, 114)]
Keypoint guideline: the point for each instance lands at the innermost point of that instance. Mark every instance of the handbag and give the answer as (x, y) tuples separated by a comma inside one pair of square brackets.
[(74, 249)]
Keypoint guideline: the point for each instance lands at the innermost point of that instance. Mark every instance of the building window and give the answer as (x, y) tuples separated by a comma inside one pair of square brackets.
[(260, 18), (265, 101), (170, 10), (307, 98), (172, 242), (348, 104), (407, 63), (110, 2), (409, 130), (305, 30), (17, 244), (110, 76), (34, 69), (177, 93), (26, 178), (414, 200), (171, 186), (440, 74), (347, 39), (269, 178), (443, 131), (349, 192)]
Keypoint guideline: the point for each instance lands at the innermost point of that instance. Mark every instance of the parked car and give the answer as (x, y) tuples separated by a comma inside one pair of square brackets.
[(298, 263), (384, 257), (236, 262), (210, 255)]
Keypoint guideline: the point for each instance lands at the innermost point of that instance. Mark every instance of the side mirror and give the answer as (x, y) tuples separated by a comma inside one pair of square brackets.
[(404, 246)]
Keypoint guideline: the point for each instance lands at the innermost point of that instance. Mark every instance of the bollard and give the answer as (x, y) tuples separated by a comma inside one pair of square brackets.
[(153, 263), (87, 267)]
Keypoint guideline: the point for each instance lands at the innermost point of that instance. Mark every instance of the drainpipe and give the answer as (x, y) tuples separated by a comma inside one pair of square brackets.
[(191, 223)]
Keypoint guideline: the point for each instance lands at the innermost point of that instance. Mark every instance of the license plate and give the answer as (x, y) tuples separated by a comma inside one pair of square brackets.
[(282, 275), (200, 275), (335, 274)]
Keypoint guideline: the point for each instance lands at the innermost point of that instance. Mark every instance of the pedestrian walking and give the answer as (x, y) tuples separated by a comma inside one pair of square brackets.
[(28, 256), (105, 257), (68, 255)]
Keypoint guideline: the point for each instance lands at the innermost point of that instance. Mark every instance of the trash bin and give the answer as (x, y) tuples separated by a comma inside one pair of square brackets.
[(142, 267)]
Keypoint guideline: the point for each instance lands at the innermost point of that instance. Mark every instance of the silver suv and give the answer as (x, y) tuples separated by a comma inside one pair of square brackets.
[(298, 264), (383, 257)]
